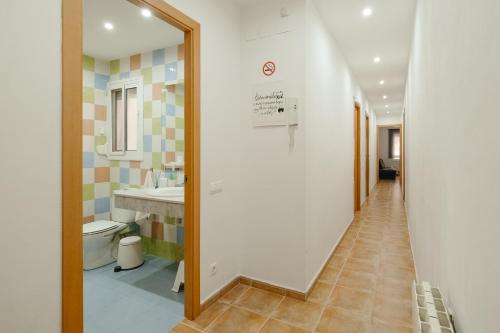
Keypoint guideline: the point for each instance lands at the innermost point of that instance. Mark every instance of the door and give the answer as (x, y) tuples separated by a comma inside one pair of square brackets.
[(357, 166), (367, 157)]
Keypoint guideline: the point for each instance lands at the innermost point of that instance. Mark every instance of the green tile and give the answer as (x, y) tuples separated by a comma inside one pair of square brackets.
[(100, 140), (166, 250), (115, 66), (88, 63), (88, 95), (147, 75), (156, 160), (156, 126), (148, 109), (114, 187), (179, 123), (179, 145), (115, 164), (169, 220), (88, 192), (179, 100)]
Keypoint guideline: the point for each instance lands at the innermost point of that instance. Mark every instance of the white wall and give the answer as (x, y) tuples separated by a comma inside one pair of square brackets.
[(330, 89), (30, 241), (220, 137), (452, 120), (272, 170)]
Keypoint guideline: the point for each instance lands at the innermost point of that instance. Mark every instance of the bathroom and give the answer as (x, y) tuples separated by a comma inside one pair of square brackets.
[(133, 169)]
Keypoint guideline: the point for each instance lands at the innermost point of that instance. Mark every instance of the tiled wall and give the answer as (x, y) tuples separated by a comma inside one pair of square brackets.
[(163, 138)]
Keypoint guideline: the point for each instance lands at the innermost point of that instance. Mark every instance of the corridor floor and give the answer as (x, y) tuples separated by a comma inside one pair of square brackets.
[(366, 286)]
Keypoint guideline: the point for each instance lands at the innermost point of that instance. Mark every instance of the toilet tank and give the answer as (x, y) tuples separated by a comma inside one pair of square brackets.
[(121, 215)]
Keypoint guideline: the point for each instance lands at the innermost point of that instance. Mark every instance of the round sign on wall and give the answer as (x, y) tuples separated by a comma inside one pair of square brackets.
[(269, 68)]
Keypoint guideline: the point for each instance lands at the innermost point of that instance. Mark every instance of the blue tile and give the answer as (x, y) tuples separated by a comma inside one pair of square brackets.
[(101, 81), (158, 57), (88, 159), (171, 71), (170, 110), (124, 175), (163, 121), (101, 205), (148, 143), (124, 75), (180, 235), (163, 145)]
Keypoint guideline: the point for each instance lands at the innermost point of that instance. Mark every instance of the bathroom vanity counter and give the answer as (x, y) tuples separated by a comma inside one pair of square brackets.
[(165, 202)]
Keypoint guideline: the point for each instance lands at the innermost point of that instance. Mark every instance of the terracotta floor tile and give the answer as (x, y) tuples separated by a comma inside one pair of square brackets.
[(260, 301), (403, 261), (320, 293), (364, 253), (357, 280), (232, 295), (329, 275), (362, 265), (353, 300), (274, 326), (181, 328), (336, 320), (379, 326), (337, 262), (392, 311), (298, 313), (209, 315), (396, 273), (237, 320), (394, 288)]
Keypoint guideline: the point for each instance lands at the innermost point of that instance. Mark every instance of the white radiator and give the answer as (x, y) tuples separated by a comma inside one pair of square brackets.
[(429, 313)]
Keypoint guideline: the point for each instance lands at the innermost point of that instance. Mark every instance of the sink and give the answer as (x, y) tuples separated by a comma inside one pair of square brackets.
[(166, 192)]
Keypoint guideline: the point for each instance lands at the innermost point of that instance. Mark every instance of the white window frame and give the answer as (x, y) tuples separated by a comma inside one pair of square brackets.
[(126, 155)]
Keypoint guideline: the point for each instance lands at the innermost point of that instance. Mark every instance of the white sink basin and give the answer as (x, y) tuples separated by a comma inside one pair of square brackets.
[(166, 192)]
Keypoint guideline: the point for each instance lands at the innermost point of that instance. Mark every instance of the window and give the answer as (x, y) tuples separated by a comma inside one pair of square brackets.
[(394, 143), (125, 120)]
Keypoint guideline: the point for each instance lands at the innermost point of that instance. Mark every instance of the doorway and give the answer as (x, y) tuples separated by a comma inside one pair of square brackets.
[(72, 141), (389, 151), (357, 156)]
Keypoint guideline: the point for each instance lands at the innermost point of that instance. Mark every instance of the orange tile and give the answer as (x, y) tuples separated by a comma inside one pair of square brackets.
[(157, 90), (171, 133), (170, 156), (135, 62), (392, 311), (100, 112), (320, 293), (157, 230), (88, 127), (260, 301), (232, 295), (357, 280), (208, 316), (88, 219), (274, 326), (182, 328), (358, 301), (135, 164), (101, 174)]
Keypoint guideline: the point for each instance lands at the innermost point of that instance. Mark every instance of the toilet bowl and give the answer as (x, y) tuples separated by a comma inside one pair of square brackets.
[(101, 238)]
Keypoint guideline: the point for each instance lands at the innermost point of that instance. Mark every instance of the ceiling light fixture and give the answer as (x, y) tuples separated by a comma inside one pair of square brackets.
[(367, 12), (146, 12), (382, 82), (376, 60), (388, 112), (386, 106), (108, 26), (384, 97)]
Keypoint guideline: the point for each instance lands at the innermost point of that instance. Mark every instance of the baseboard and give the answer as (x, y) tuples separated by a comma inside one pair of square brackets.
[(411, 244), (325, 263), (270, 286)]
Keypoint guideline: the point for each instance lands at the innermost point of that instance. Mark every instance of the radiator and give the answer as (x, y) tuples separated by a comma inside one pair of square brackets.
[(429, 312)]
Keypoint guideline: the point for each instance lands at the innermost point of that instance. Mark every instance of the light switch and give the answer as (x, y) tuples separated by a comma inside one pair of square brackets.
[(216, 186)]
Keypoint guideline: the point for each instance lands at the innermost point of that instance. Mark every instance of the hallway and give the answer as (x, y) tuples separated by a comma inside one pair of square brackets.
[(366, 286)]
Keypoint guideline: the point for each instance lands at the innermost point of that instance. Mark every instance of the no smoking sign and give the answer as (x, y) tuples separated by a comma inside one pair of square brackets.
[(269, 68)]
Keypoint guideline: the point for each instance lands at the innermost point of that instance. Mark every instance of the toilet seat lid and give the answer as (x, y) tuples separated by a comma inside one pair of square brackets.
[(100, 226)]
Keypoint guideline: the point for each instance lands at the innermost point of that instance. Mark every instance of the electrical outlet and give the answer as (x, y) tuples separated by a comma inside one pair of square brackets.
[(216, 186), (213, 269)]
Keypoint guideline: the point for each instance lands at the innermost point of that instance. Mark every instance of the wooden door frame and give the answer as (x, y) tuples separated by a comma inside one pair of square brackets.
[(401, 151), (357, 156), (402, 177), (72, 201), (367, 158)]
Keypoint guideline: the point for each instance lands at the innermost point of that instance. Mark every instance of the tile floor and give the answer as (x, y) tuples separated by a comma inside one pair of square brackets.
[(133, 301), (366, 286)]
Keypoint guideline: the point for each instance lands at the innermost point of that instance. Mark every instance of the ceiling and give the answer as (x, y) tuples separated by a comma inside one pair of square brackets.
[(132, 33), (387, 34)]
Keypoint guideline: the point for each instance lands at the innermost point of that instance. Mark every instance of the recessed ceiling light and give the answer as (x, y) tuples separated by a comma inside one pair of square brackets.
[(367, 12), (386, 106), (146, 12), (382, 82), (376, 59), (108, 26), (384, 97), (388, 112)]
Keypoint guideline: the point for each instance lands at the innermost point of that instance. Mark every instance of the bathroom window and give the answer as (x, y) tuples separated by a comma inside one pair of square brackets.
[(125, 120)]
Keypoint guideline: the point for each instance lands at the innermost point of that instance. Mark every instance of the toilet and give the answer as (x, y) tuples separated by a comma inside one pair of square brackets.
[(101, 238)]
